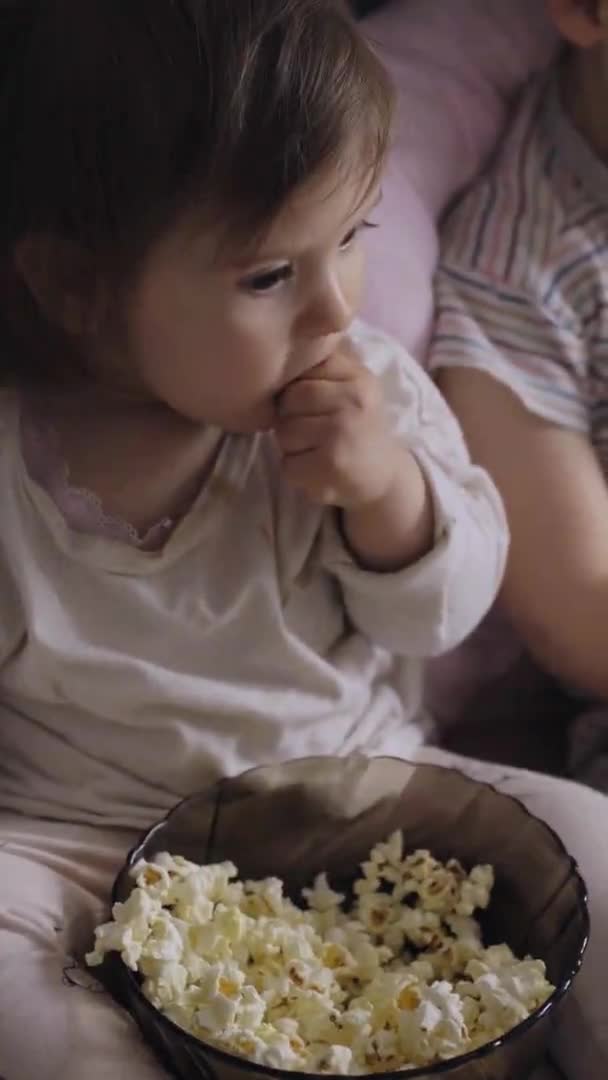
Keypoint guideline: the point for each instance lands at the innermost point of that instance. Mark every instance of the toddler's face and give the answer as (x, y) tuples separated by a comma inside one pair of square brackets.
[(216, 334)]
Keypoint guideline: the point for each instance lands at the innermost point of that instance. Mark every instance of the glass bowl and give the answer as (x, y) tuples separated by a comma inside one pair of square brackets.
[(302, 817)]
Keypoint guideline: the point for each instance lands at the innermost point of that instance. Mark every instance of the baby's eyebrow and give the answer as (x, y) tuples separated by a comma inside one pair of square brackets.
[(258, 259), (365, 206)]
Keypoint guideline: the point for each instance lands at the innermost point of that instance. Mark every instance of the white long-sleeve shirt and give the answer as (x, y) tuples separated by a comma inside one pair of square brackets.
[(129, 679)]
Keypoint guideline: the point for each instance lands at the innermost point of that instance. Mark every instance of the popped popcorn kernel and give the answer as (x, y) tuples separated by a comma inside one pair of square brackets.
[(409, 999), (399, 979), (322, 897), (151, 876), (228, 987)]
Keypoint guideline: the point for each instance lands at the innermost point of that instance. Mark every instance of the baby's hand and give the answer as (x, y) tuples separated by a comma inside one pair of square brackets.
[(337, 448), (333, 431)]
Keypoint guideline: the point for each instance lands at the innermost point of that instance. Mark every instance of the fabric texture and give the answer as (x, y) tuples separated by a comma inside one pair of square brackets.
[(251, 636), (81, 507), (521, 289), (457, 67), (55, 882)]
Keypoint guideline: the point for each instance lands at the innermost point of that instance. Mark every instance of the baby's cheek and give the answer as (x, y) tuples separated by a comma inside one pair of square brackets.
[(354, 279)]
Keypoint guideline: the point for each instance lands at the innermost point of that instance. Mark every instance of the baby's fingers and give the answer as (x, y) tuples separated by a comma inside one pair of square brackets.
[(310, 396), (297, 435), (308, 472)]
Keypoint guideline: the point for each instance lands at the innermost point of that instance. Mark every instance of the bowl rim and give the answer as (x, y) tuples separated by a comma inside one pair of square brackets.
[(442, 1068)]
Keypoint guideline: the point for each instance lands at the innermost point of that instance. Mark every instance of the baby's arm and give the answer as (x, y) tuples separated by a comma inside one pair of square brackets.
[(556, 586), (339, 449), (398, 529), (430, 604)]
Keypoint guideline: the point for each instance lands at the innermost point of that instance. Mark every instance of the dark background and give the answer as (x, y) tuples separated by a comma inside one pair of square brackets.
[(363, 6)]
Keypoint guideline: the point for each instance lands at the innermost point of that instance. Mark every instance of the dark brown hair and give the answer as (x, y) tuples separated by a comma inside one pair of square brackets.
[(117, 115)]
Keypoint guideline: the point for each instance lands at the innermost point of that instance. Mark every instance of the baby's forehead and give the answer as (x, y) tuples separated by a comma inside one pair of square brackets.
[(314, 215)]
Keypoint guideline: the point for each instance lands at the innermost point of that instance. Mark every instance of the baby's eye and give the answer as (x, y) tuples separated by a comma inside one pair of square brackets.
[(348, 239), (267, 280), (353, 233)]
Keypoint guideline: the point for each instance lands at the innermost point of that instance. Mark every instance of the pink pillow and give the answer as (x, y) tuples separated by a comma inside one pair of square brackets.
[(457, 64)]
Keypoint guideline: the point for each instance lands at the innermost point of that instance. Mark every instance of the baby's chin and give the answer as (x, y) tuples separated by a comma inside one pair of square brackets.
[(259, 419)]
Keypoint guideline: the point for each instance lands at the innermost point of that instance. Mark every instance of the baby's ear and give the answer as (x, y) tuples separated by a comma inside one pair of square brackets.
[(583, 23), (58, 276)]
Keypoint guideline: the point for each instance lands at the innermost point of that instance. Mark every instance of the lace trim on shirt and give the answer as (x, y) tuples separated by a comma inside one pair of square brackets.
[(81, 508)]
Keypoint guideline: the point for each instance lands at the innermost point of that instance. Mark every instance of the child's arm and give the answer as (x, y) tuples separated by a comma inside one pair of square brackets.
[(513, 344), (419, 540), (339, 448), (556, 586), (398, 529)]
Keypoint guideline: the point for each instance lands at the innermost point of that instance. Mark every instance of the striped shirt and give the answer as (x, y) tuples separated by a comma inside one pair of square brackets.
[(522, 288)]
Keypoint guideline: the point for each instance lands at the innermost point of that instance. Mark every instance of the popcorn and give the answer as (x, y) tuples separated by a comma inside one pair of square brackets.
[(400, 979), (115, 938), (390, 852), (164, 940), (322, 897), (166, 983), (265, 897), (279, 1053), (336, 1060), (129, 931), (476, 891), (220, 990)]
